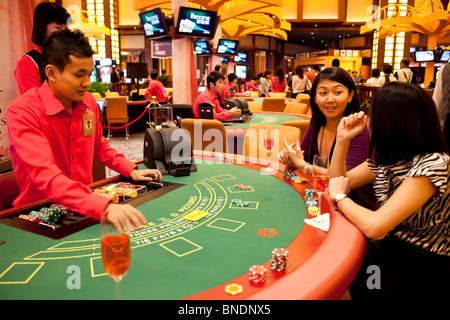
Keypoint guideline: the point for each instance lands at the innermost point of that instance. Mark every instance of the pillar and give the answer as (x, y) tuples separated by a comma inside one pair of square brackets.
[(184, 80)]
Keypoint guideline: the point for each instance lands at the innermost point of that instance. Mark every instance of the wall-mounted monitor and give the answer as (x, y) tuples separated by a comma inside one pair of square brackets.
[(445, 56), (154, 23), (240, 57), (196, 23), (227, 47), (424, 56), (240, 71), (137, 70), (202, 47)]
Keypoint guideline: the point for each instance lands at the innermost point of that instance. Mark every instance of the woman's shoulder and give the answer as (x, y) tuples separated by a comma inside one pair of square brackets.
[(436, 161)]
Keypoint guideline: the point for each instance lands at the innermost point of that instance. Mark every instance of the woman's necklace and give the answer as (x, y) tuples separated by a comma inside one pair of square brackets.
[(321, 140)]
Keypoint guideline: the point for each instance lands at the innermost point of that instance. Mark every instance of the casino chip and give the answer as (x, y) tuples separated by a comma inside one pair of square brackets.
[(233, 289), (279, 259), (257, 274)]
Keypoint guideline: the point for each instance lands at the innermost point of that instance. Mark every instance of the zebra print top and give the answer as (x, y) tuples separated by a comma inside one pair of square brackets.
[(429, 227)]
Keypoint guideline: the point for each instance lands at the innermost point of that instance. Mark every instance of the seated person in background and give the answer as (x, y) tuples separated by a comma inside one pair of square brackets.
[(410, 169), (228, 90), (55, 133), (155, 88), (249, 85), (214, 84)]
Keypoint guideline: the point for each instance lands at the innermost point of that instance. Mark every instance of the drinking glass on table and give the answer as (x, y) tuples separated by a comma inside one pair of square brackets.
[(269, 141), (320, 175), (116, 253)]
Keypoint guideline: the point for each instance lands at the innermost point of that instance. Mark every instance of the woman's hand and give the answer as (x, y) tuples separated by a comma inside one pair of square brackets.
[(351, 126), (292, 155), (338, 185)]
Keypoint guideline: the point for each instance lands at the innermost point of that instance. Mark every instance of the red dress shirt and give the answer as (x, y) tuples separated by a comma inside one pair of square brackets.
[(155, 88), (27, 73), (249, 86), (51, 157), (226, 91), (210, 97)]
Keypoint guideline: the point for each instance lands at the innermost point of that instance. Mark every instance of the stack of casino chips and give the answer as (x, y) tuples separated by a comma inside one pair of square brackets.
[(279, 259), (311, 202), (47, 215), (62, 208), (290, 175), (257, 274)]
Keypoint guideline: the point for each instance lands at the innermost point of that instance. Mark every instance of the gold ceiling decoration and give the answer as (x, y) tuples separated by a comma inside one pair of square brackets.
[(427, 17), (87, 23), (238, 18)]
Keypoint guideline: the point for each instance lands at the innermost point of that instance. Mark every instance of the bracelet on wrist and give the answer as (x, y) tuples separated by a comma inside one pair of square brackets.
[(306, 167)]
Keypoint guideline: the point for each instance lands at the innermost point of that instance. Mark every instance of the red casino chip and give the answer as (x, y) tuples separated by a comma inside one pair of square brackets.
[(257, 274)]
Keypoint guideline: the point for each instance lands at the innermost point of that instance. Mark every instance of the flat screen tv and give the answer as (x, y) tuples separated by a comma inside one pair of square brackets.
[(154, 24), (445, 56), (227, 47), (424, 56), (240, 71), (240, 57), (137, 70), (202, 48), (196, 23)]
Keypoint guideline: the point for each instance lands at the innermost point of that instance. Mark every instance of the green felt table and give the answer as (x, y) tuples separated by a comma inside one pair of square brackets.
[(173, 258)]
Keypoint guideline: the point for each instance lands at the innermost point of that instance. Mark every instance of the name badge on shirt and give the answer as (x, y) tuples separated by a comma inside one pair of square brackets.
[(88, 123)]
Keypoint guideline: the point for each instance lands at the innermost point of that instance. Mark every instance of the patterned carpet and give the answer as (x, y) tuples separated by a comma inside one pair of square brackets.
[(131, 148)]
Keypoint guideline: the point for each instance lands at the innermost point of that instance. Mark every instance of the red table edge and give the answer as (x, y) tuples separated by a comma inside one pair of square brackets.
[(315, 278)]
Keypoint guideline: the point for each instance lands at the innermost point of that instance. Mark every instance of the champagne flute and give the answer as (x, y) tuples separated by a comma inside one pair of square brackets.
[(116, 253), (320, 176), (268, 141)]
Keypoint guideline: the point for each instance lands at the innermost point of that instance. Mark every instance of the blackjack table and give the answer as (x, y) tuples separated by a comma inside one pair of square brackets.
[(174, 258)]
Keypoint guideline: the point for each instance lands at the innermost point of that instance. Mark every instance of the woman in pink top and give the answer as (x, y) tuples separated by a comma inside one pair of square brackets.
[(279, 81)]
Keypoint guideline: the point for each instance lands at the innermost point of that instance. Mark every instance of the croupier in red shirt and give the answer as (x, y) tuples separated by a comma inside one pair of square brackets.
[(52, 139), (228, 90), (214, 84), (155, 88)]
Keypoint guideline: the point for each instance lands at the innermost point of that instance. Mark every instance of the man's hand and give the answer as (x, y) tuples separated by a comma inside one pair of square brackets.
[(235, 112), (146, 175), (118, 214)]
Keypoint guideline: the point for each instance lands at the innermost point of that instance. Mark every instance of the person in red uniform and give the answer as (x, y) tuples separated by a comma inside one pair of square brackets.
[(250, 85), (214, 84), (52, 139), (155, 88), (228, 89), (48, 18)]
